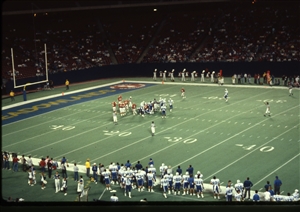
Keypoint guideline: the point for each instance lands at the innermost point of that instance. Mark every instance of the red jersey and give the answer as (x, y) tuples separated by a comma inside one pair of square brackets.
[(120, 98), (114, 104), (182, 90), (133, 106)]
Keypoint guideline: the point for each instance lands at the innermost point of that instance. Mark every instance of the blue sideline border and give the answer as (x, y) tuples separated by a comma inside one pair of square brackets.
[(27, 109)]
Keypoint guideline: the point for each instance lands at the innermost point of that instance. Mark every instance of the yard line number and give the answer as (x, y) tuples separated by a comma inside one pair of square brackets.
[(121, 134), (263, 149), (61, 127), (180, 139)]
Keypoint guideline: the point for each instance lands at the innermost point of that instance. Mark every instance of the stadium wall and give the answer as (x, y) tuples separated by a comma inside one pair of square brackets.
[(146, 69)]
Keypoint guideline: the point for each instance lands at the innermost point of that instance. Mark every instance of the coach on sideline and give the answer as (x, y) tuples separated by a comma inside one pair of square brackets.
[(277, 184)]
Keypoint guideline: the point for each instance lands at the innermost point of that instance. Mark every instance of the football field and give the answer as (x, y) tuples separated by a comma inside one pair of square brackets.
[(230, 140)]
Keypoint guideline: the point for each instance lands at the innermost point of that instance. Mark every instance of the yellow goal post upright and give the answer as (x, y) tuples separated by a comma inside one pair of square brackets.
[(29, 83)]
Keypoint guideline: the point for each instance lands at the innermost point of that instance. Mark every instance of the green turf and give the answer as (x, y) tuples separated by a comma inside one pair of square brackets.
[(231, 140)]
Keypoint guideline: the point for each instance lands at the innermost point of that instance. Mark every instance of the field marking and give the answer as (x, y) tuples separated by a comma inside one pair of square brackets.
[(228, 138), (151, 155), (238, 114), (50, 131), (32, 126), (98, 140), (277, 168), (252, 152), (60, 117)]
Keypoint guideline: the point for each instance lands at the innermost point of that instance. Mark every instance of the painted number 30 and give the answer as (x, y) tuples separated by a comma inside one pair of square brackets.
[(180, 139)]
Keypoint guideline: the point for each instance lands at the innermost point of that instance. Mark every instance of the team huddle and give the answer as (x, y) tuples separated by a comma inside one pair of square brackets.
[(127, 106), (132, 178)]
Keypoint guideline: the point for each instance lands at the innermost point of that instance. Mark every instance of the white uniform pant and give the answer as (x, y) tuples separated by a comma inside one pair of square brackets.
[(57, 185)]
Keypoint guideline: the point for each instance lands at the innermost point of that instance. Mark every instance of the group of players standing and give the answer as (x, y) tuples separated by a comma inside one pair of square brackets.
[(133, 178), (127, 106)]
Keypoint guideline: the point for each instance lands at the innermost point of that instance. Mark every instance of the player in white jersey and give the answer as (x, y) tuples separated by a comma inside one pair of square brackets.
[(152, 128), (153, 170), (114, 198), (171, 104), (115, 118), (290, 90), (199, 186), (183, 75), (229, 193), (185, 181), (193, 76), (212, 76), (202, 76), (162, 169), (164, 182), (170, 186), (163, 111), (226, 95), (239, 187), (277, 197), (268, 109), (114, 173), (198, 175), (177, 179), (128, 186), (164, 76), (296, 195), (288, 198), (151, 181), (216, 187), (139, 180), (238, 196), (106, 175), (154, 74), (172, 75)]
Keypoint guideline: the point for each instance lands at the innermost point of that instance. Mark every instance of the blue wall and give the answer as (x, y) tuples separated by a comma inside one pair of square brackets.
[(146, 69)]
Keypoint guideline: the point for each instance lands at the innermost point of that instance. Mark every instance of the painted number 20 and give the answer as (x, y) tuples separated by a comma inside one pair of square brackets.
[(62, 127)]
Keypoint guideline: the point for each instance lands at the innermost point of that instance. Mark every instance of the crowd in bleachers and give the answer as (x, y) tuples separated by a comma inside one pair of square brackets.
[(213, 34)]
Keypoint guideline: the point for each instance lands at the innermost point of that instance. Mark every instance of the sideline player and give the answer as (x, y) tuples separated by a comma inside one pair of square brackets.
[(202, 76), (154, 74), (226, 95), (290, 90), (268, 109), (183, 75), (216, 187), (183, 93), (199, 185), (172, 75)]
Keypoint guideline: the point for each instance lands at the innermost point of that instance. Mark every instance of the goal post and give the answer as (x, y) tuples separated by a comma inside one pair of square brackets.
[(29, 83)]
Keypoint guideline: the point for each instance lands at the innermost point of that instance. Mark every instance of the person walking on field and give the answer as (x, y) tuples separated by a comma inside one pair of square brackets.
[(268, 112), (88, 167), (67, 83), (12, 95), (152, 128)]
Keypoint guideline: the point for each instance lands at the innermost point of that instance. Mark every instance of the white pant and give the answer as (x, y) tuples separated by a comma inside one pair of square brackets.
[(57, 185)]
